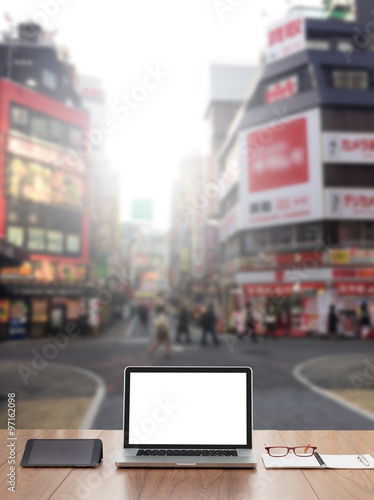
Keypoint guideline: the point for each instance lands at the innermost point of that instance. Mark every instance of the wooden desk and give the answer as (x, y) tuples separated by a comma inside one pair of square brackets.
[(108, 482)]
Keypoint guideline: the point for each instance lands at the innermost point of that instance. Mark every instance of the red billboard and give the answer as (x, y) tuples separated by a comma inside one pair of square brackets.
[(278, 158)]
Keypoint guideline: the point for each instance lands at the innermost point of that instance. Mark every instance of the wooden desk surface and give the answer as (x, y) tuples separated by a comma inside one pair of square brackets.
[(108, 482)]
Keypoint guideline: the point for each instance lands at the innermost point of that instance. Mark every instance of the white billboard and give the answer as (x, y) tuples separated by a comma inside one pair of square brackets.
[(285, 37), (281, 175), (348, 147), (349, 203)]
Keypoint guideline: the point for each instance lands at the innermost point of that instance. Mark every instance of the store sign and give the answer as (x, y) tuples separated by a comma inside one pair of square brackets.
[(346, 288), (281, 90), (36, 182), (279, 290), (198, 244), (285, 38), (45, 271), (68, 159), (283, 162), (361, 256), (18, 318), (281, 181), (348, 147), (349, 203), (4, 310)]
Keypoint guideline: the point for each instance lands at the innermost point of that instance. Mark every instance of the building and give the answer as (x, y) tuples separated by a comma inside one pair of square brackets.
[(104, 207), (44, 190), (297, 213)]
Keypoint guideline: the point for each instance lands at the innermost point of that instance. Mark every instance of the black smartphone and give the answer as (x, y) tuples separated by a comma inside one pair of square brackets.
[(62, 453)]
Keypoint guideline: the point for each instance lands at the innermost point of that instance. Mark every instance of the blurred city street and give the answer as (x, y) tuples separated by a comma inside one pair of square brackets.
[(280, 400)]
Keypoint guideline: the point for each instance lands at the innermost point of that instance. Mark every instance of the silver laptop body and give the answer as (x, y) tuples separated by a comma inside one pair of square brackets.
[(188, 417)]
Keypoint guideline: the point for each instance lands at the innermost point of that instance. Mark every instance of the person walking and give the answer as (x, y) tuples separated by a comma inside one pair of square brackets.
[(365, 322), (183, 326), (332, 322), (249, 323), (208, 324), (162, 326), (143, 314), (270, 319)]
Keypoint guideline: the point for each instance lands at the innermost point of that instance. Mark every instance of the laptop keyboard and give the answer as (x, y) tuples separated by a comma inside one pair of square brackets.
[(187, 453)]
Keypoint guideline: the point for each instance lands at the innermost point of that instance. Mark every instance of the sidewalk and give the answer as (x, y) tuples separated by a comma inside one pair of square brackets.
[(347, 377), (58, 396)]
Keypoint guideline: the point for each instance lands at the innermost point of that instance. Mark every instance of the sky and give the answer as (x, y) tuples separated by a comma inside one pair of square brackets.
[(121, 42)]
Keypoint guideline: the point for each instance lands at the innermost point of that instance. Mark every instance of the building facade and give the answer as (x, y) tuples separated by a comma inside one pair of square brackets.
[(297, 214)]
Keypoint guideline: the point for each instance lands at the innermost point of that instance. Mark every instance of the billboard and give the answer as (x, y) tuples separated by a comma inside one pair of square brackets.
[(285, 37), (282, 89), (33, 181), (349, 203), (348, 147), (282, 174)]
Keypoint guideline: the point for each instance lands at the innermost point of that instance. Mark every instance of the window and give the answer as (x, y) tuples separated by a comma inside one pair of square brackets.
[(261, 238), (36, 240), (345, 45), (15, 235), (54, 242), (349, 232), (39, 126), (19, 118), (73, 243), (369, 232), (281, 236), (318, 44), (308, 233), (350, 79), (49, 79), (57, 132), (75, 136)]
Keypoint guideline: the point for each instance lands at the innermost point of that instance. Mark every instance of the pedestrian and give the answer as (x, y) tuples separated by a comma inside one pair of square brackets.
[(365, 322), (208, 323), (183, 326), (143, 314), (249, 323), (270, 319), (332, 322), (162, 326)]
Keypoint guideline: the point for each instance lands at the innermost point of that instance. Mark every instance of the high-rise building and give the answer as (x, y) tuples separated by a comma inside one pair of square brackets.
[(44, 191), (297, 221)]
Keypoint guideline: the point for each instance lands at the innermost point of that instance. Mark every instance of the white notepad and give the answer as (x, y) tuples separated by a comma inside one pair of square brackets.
[(330, 462)]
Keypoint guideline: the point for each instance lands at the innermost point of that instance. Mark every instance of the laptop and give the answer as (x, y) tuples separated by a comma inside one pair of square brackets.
[(188, 417)]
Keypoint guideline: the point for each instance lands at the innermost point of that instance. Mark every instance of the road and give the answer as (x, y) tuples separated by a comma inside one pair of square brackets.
[(280, 400)]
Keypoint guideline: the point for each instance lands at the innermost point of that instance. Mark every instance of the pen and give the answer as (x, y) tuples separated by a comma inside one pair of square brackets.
[(363, 460)]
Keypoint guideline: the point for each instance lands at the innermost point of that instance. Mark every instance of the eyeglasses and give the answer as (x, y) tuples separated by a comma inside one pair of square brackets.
[(283, 451)]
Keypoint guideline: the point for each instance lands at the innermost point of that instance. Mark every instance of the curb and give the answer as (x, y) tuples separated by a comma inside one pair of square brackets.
[(296, 372)]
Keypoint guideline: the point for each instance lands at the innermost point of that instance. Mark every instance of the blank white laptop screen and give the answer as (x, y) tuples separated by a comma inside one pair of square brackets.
[(188, 409)]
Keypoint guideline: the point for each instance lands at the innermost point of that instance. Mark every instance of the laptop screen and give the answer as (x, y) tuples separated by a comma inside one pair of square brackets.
[(188, 408)]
